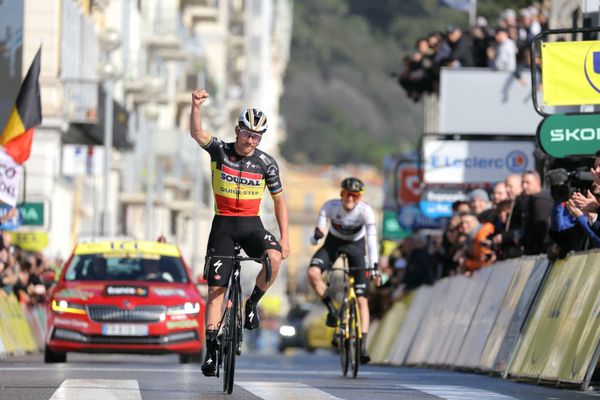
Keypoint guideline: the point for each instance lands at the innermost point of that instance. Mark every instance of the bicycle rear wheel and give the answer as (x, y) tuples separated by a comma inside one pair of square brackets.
[(353, 338), (231, 343)]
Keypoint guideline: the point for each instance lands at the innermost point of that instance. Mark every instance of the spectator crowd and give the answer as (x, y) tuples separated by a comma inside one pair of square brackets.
[(518, 217), (504, 47), (21, 272)]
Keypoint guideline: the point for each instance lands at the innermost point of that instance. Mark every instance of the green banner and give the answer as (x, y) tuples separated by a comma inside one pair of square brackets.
[(391, 228), (32, 213), (561, 135)]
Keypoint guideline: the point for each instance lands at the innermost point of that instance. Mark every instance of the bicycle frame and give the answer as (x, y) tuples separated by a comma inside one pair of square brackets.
[(349, 329), (230, 332)]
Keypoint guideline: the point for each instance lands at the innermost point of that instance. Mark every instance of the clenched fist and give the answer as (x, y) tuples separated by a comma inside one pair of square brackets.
[(199, 96)]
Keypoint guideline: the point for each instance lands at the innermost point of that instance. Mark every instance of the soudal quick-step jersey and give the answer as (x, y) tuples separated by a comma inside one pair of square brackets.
[(239, 182)]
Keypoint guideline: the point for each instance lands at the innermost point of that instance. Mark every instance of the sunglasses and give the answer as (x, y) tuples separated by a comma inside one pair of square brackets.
[(252, 135), (352, 195)]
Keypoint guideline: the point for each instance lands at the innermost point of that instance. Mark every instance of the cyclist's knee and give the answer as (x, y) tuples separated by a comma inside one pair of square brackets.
[(275, 258)]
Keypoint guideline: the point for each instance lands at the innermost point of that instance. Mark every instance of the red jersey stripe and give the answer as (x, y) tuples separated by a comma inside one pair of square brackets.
[(232, 171)]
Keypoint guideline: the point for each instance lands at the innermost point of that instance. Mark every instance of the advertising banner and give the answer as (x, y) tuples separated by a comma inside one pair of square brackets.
[(10, 178), (437, 202), (461, 161), (563, 135), (577, 339), (485, 315), (571, 73), (406, 335), (549, 313)]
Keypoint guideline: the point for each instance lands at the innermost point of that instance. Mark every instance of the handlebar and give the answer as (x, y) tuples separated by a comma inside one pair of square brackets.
[(264, 259)]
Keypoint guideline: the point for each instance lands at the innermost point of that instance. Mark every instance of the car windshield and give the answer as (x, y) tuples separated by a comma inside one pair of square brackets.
[(109, 267)]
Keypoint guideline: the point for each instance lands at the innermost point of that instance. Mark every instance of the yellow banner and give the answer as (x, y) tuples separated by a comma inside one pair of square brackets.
[(30, 241), (122, 247), (571, 73), (548, 314)]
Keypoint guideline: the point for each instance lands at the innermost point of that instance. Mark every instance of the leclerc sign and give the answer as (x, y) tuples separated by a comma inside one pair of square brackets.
[(474, 161), (563, 135)]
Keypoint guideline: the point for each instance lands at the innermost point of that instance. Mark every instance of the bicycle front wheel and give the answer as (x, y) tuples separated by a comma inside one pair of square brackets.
[(343, 348), (230, 348), (353, 338)]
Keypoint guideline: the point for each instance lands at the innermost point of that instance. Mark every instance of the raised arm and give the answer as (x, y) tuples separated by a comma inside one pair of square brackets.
[(201, 136)]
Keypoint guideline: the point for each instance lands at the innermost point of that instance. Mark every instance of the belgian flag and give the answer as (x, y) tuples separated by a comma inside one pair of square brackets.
[(17, 135)]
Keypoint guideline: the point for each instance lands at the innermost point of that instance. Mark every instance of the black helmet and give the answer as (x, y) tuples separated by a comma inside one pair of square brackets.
[(352, 184), (253, 119)]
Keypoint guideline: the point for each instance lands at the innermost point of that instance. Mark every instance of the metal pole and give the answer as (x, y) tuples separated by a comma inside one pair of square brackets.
[(108, 140), (472, 13), (150, 178)]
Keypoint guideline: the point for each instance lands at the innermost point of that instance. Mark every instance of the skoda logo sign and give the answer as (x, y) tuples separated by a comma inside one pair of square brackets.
[(516, 161), (561, 135)]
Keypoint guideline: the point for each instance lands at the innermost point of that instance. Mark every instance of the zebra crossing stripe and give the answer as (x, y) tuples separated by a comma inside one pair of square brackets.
[(98, 389), (457, 392), (285, 391)]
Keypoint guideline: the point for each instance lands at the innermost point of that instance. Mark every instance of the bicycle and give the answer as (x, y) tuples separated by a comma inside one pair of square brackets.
[(229, 334), (348, 333)]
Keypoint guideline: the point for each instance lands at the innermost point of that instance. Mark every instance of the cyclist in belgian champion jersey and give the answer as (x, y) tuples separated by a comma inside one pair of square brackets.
[(351, 221), (240, 173)]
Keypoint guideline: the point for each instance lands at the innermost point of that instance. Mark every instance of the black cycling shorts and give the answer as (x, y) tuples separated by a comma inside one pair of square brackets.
[(354, 250), (249, 232)]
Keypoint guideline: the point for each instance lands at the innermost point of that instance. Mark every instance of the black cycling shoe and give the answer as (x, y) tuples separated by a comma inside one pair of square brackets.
[(209, 366), (332, 319), (364, 356), (335, 341), (251, 321)]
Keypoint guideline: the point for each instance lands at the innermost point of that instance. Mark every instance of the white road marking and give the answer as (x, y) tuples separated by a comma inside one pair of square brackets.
[(185, 369), (285, 391), (98, 389), (458, 392)]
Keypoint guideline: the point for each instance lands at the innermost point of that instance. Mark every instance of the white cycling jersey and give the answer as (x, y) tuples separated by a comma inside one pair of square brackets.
[(351, 225)]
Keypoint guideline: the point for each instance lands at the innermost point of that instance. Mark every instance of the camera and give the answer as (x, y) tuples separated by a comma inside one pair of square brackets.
[(564, 183)]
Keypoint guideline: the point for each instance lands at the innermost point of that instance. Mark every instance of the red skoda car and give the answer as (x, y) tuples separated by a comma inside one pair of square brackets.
[(125, 297)]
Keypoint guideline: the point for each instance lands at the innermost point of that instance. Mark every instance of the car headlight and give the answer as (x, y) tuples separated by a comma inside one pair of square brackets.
[(184, 309), (63, 306), (287, 330)]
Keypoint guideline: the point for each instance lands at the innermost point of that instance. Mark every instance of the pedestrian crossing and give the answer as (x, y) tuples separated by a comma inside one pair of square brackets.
[(128, 389)]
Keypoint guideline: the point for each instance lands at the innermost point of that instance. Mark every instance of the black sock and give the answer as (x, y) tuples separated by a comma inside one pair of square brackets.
[(256, 295), (329, 303), (364, 340), (211, 341)]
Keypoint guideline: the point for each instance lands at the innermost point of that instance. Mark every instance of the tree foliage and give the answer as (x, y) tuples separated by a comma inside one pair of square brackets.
[(341, 103)]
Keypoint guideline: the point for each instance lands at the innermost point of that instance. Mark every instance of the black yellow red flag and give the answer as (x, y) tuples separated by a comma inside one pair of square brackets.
[(26, 114)]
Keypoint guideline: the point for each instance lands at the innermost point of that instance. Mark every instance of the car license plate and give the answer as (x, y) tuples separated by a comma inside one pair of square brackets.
[(125, 330)]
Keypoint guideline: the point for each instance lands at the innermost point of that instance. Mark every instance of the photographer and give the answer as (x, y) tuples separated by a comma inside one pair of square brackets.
[(566, 226), (584, 220), (584, 207)]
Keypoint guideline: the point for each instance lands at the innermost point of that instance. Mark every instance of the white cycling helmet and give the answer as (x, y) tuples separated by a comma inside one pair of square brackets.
[(254, 120)]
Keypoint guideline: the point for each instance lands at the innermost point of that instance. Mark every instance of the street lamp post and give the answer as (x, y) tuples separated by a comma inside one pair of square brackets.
[(110, 40), (152, 113)]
